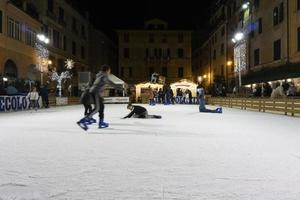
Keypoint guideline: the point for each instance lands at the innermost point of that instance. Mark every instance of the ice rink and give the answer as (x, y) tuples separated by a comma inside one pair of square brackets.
[(187, 155)]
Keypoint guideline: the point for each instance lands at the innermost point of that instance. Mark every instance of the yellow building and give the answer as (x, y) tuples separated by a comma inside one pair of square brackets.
[(269, 45), (154, 49), (17, 39), (65, 27)]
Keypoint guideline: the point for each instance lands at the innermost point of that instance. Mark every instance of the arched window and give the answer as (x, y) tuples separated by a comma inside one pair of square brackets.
[(10, 69)]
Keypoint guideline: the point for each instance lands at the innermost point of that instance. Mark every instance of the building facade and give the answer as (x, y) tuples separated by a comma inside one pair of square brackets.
[(154, 49), (66, 29), (269, 43), (18, 57), (102, 50)]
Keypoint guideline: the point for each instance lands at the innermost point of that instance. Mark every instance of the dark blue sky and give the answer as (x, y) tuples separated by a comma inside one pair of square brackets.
[(122, 14)]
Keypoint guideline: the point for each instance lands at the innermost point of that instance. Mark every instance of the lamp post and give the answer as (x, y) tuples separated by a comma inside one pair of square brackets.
[(43, 53), (237, 39)]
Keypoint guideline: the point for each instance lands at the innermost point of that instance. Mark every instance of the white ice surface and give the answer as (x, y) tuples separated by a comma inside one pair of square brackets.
[(239, 155)]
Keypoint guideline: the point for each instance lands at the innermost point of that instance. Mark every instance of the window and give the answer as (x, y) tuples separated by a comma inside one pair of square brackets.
[(180, 72), (74, 25), (122, 71), (126, 53), (164, 71), (281, 12), (130, 72), (50, 6), (14, 29), (256, 4), (126, 37), (82, 52), (1, 21), (164, 39), (223, 32), (216, 38), (298, 4), (229, 11), (65, 43), (151, 38), (168, 52), (160, 52), (155, 52), (260, 25), (56, 38), (222, 49), (180, 37), (277, 50), (256, 57), (147, 52), (83, 34), (74, 48), (215, 55), (275, 16), (298, 38), (180, 53), (61, 15), (30, 37)]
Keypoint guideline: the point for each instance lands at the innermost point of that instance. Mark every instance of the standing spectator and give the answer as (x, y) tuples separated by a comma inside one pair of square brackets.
[(278, 91), (45, 95), (33, 97), (267, 90), (171, 95), (292, 90), (160, 95), (151, 96)]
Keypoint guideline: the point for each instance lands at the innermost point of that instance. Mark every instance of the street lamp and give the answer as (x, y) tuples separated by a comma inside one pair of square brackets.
[(239, 36), (42, 52), (5, 79), (245, 6)]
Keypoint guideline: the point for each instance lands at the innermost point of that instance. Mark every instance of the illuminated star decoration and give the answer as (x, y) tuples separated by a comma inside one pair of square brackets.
[(69, 64)]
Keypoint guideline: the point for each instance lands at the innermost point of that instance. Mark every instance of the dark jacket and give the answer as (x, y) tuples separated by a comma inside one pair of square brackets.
[(137, 110)]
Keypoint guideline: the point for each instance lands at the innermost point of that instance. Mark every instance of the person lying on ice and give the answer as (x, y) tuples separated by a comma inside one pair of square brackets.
[(202, 108), (96, 94), (139, 112)]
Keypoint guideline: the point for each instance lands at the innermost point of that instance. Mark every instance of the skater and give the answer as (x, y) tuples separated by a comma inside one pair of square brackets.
[(96, 93), (86, 100), (33, 97), (202, 108), (139, 112)]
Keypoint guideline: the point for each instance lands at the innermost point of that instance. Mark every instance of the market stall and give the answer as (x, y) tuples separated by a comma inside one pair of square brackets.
[(184, 85), (142, 89)]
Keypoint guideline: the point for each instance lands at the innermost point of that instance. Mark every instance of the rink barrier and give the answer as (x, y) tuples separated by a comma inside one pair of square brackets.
[(284, 106), (15, 103)]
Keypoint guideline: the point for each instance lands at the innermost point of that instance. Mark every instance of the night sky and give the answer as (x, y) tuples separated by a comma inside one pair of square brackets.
[(130, 14)]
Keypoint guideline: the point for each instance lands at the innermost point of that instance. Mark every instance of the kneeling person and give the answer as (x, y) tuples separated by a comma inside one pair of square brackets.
[(139, 112)]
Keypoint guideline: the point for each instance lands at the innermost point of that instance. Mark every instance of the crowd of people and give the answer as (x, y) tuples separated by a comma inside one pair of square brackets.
[(277, 90)]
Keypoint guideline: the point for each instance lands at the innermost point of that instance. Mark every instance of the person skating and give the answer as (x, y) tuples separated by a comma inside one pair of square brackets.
[(201, 98), (86, 100), (96, 93), (139, 112)]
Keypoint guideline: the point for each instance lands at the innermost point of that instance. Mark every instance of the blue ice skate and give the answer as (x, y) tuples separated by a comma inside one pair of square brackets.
[(220, 110), (102, 124), (83, 123)]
